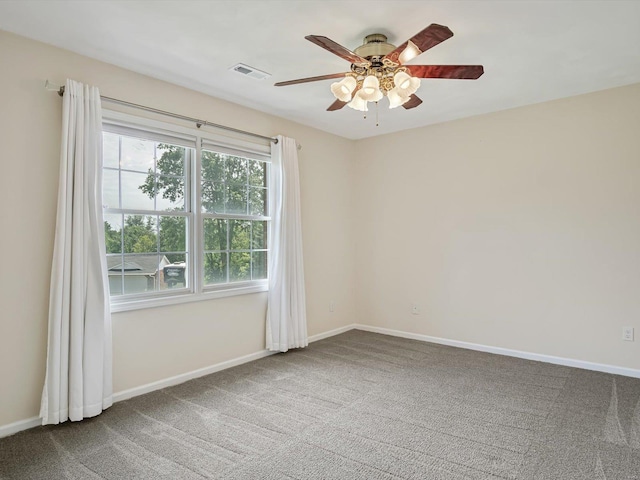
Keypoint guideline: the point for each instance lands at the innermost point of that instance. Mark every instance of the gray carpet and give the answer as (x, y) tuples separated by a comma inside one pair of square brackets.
[(355, 406)]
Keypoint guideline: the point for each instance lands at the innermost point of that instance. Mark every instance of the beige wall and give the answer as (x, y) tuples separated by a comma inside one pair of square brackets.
[(153, 344), (519, 229)]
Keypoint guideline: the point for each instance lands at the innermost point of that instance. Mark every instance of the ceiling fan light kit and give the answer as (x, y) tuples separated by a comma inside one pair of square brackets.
[(343, 89), (395, 99), (409, 53), (358, 103), (378, 69), (370, 91)]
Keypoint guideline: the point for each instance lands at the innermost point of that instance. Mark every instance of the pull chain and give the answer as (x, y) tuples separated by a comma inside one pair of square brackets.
[(365, 115)]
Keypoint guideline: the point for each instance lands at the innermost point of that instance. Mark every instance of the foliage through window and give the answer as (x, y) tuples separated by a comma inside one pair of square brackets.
[(166, 235), (235, 249)]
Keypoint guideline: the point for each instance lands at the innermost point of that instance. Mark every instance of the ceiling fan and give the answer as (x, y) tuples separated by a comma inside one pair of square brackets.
[(378, 69)]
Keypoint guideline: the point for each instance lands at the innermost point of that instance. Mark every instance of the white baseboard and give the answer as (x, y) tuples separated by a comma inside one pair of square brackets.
[(567, 362), (15, 427), (201, 372), (10, 429), (331, 333), (183, 377)]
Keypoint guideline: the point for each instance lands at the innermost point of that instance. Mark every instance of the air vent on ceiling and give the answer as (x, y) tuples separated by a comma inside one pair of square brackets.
[(250, 71)]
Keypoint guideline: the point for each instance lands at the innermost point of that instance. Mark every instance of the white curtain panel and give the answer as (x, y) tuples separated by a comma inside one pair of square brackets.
[(78, 380), (286, 310)]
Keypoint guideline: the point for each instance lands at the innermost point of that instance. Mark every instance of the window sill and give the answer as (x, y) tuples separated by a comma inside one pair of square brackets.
[(138, 304)]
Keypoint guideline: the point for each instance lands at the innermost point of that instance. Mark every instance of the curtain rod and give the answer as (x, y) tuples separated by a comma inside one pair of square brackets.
[(199, 123)]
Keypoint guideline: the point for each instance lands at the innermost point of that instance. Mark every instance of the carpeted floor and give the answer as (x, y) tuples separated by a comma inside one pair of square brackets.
[(355, 406)]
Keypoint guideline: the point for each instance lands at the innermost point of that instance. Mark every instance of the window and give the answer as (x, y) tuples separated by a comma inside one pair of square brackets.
[(186, 216), (234, 201)]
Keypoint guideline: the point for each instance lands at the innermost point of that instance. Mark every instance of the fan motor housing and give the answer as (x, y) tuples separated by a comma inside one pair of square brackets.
[(375, 45)]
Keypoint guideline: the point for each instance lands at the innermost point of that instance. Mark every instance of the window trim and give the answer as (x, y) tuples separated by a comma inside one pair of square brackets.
[(198, 291)]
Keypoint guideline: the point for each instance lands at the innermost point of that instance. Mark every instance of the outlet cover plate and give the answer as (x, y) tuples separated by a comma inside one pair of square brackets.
[(627, 334)]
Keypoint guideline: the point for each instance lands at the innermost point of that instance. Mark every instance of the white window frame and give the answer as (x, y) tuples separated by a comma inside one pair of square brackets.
[(234, 145)]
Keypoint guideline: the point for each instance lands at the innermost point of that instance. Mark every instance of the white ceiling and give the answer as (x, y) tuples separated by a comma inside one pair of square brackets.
[(532, 51)]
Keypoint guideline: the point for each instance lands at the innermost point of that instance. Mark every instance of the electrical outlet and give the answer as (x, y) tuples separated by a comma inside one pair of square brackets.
[(332, 306), (627, 334), (415, 309)]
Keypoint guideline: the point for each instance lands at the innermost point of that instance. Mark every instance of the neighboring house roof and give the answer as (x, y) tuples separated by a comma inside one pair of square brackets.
[(135, 264)]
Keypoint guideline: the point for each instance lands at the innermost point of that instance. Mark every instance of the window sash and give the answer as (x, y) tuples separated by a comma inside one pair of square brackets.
[(156, 135), (219, 147)]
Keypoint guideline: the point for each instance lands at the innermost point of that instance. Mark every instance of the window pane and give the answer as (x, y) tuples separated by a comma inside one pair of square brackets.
[(140, 273), (172, 234), (133, 273), (137, 154), (212, 179), (239, 266), (110, 150), (140, 234), (235, 170), (113, 233), (115, 273), (138, 191), (239, 234), (110, 189), (257, 173), (171, 159), (257, 201), (174, 274), (213, 198), (259, 235), (215, 234), (236, 198), (215, 268), (169, 193), (259, 265)]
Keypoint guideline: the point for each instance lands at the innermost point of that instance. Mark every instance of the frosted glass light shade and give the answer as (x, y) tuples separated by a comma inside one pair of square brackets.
[(406, 84), (397, 98), (411, 51), (358, 103), (343, 89), (370, 83), (370, 90), (401, 80)]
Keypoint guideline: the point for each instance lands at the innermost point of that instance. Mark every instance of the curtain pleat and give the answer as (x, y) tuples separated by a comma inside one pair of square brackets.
[(286, 310), (78, 382)]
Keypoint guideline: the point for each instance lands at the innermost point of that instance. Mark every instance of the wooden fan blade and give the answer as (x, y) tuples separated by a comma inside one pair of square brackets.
[(413, 102), (464, 72), (336, 49), (310, 79), (337, 105), (426, 39)]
